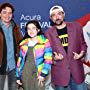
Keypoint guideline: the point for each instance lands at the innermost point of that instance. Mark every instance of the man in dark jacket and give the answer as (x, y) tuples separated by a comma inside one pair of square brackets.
[(9, 40), (69, 48)]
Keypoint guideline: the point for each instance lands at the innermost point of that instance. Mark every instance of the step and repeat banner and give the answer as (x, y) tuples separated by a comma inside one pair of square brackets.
[(26, 10), (75, 10)]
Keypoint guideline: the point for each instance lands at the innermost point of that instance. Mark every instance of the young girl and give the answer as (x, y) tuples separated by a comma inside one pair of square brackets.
[(35, 58)]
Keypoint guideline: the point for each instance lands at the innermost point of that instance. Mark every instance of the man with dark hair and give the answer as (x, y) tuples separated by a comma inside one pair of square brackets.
[(69, 48), (9, 39)]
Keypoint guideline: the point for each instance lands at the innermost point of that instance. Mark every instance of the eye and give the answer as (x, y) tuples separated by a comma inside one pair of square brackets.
[(4, 12), (34, 28), (60, 13)]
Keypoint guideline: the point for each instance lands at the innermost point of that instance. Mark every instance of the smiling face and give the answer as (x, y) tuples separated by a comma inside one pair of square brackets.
[(6, 15), (57, 17), (32, 30)]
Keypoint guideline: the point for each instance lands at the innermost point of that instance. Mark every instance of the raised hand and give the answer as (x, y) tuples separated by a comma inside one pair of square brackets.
[(58, 56)]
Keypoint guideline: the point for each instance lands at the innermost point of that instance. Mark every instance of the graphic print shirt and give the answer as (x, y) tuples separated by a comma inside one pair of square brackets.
[(62, 33)]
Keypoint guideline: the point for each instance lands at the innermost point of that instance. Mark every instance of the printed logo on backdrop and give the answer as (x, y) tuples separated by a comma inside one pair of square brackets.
[(25, 18)]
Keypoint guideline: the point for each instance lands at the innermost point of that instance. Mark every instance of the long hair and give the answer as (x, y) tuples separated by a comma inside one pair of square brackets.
[(36, 23)]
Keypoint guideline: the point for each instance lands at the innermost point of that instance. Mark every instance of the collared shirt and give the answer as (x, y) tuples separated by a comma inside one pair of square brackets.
[(10, 46)]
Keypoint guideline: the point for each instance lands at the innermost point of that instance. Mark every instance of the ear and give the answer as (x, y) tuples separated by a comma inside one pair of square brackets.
[(64, 14), (0, 14), (51, 18), (38, 30)]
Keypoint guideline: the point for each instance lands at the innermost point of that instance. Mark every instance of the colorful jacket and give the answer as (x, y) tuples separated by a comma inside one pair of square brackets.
[(42, 51)]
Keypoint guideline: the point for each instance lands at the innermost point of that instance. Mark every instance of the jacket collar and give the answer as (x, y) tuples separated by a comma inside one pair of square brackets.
[(41, 39), (12, 23)]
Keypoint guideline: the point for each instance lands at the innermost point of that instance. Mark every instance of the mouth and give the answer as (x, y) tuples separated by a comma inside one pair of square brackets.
[(8, 18), (58, 20), (31, 34)]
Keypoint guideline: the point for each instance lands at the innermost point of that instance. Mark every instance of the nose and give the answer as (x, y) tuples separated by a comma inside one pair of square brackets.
[(57, 16), (8, 14)]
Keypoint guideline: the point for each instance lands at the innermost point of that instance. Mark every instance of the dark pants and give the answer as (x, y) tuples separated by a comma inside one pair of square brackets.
[(73, 86), (11, 80)]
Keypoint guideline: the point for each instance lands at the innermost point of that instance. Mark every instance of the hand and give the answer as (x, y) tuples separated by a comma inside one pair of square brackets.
[(19, 82), (78, 56), (40, 81), (58, 56)]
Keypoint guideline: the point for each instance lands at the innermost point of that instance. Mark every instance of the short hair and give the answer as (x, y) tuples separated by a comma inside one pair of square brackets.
[(4, 5), (36, 23)]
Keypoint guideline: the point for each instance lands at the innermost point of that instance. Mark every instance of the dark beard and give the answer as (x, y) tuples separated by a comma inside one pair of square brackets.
[(57, 24)]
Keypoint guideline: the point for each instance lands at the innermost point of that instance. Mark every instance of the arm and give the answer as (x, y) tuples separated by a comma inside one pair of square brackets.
[(20, 65), (47, 63), (82, 43), (47, 59), (18, 38), (21, 61)]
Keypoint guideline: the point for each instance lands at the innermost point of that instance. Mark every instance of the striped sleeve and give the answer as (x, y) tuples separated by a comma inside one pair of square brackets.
[(21, 61), (47, 58)]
